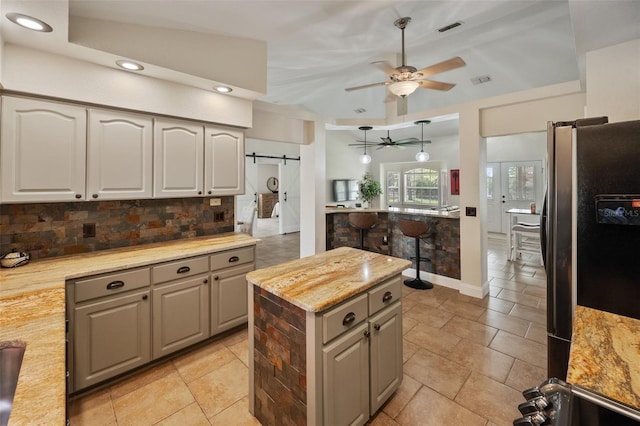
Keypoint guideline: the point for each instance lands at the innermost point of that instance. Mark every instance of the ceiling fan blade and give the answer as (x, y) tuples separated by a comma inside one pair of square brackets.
[(385, 67), (382, 83), (407, 140), (447, 65), (359, 144), (435, 85)]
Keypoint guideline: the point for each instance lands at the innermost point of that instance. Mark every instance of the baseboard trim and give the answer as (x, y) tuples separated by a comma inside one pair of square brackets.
[(463, 288)]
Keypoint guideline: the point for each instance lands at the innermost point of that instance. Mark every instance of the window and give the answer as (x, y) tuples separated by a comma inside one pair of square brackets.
[(490, 183), (521, 182), (393, 188), (422, 186)]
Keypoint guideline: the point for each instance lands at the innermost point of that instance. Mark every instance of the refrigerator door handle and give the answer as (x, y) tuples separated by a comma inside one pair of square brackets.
[(543, 231)]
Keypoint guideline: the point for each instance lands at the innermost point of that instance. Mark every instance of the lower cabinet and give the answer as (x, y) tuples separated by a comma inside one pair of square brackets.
[(346, 379), (180, 315), (123, 320), (111, 336)]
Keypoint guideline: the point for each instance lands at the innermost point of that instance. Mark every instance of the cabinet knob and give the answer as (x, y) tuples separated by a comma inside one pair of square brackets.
[(209, 192), (145, 297), (349, 318), (199, 192), (377, 327), (78, 196), (216, 278), (366, 333), (205, 281), (94, 195)]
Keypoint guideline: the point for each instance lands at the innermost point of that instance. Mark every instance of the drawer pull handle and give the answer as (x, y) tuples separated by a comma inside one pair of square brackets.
[(387, 296), (183, 270), (233, 259), (115, 285), (349, 318)]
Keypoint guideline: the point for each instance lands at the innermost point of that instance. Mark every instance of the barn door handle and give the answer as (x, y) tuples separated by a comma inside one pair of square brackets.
[(285, 197)]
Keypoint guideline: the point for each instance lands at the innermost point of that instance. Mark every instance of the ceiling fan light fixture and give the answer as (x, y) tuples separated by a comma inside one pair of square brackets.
[(422, 156), (404, 88)]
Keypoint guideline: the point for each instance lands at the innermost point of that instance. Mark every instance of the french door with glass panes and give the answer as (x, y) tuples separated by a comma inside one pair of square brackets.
[(520, 185)]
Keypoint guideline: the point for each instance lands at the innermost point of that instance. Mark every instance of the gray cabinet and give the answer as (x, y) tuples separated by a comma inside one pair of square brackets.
[(361, 344), (346, 378), (122, 320), (223, 161), (180, 304), (229, 306), (111, 326)]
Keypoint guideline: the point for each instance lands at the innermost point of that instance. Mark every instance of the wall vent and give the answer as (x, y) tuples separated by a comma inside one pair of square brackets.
[(481, 79), (450, 26), (359, 110)]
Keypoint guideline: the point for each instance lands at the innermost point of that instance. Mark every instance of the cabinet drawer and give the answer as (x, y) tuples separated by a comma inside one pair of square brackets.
[(179, 269), (385, 294), (343, 318), (107, 285), (232, 258)]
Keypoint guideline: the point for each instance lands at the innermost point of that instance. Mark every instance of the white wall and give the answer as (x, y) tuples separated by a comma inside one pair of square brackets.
[(613, 82), (519, 147), (343, 162), (36, 72)]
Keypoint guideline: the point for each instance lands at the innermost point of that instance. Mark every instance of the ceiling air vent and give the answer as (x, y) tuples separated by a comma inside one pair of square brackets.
[(481, 79), (359, 110), (450, 26)]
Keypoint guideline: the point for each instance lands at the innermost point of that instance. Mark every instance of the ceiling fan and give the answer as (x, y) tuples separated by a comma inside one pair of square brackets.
[(387, 142), (405, 79)]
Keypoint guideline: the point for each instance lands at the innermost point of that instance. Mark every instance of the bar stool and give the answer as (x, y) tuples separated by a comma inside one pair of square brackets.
[(525, 237), (416, 229), (363, 222)]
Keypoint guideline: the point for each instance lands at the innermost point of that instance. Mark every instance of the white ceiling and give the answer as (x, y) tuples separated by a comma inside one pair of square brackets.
[(318, 48)]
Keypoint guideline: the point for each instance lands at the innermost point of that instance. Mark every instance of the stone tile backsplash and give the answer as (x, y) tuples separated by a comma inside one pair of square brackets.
[(56, 229)]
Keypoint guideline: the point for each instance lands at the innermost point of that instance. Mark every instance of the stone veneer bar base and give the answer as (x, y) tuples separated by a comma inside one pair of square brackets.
[(279, 358)]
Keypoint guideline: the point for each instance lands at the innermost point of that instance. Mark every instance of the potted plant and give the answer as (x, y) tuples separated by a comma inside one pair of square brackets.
[(369, 188)]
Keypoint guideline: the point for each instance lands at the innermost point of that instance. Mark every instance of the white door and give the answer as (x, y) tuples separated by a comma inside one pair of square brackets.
[(494, 198), (289, 197), (521, 185)]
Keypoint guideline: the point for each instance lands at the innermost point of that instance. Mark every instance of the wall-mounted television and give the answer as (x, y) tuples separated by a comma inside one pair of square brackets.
[(345, 190)]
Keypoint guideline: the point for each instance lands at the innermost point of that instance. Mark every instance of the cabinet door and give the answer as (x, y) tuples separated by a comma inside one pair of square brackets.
[(346, 379), (43, 151), (180, 315), (111, 336), (229, 299), (224, 161), (120, 155), (178, 162), (386, 354)]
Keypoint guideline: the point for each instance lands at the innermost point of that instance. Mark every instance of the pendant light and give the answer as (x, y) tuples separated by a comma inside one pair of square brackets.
[(365, 158), (422, 156)]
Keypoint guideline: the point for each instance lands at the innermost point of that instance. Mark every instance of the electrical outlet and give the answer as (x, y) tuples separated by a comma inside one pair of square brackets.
[(215, 202), (218, 217), (88, 230), (470, 211)]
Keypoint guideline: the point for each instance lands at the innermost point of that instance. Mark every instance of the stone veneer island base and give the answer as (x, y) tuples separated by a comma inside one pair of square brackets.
[(325, 338)]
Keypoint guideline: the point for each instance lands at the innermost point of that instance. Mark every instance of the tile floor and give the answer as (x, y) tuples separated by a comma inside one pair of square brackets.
[(466, 359)]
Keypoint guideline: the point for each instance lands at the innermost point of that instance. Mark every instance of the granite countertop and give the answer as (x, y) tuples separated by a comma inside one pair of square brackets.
[(32, 309), (454, 214), (318, 282), (605, 355)]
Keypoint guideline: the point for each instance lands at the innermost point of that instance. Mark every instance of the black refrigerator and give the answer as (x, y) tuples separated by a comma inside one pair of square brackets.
[(590, 226)]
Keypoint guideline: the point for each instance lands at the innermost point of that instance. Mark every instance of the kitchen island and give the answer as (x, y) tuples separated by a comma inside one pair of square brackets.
[(325, 337), (32, 309)]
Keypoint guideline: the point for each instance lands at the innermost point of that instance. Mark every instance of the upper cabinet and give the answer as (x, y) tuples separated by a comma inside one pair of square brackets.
[(193, 160), (58, 152), (178, 159), (120, 156), (43, 151), (224, 161)]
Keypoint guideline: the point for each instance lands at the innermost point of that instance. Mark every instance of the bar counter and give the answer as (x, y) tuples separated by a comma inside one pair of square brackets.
[(386, 238)]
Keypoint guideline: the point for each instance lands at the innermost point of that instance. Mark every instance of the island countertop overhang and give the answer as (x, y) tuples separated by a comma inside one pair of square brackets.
[(318, 282)]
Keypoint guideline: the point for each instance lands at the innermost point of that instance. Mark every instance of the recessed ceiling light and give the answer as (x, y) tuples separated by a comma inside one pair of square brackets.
[(129, 65), (223, 89), (29, 22)]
